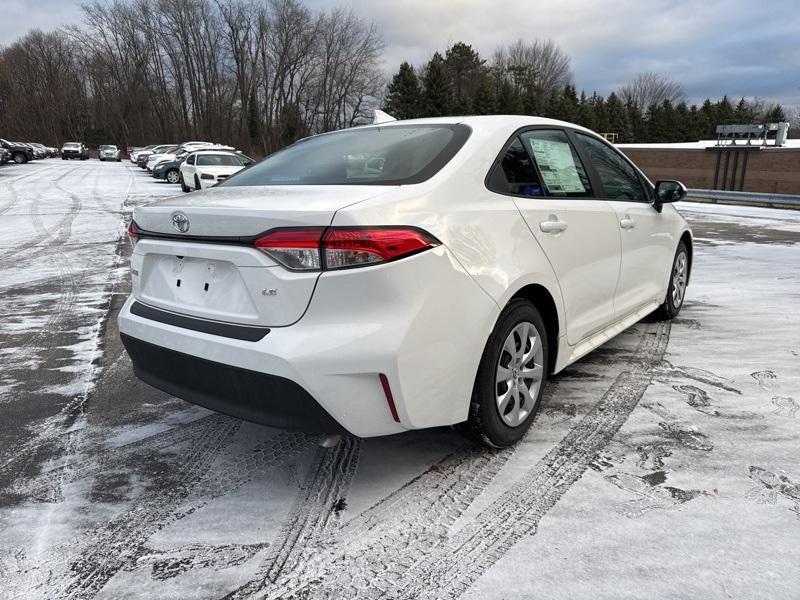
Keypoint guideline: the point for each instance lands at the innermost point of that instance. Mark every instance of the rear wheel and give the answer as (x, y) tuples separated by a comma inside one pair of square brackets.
[(679, 279), (511, 378), (20, 158)]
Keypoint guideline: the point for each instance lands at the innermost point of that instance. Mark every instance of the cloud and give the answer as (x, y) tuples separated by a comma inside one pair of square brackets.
[(713, 47)]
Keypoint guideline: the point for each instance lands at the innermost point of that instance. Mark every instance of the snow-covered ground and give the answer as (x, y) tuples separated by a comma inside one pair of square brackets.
[(663, 465)]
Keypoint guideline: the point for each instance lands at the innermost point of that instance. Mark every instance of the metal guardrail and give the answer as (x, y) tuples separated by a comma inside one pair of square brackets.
[(745, 198)]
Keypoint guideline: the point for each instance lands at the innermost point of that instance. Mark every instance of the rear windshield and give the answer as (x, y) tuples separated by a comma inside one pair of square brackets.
[(71, 145), (108, 147), (389, 155), (218, 160)]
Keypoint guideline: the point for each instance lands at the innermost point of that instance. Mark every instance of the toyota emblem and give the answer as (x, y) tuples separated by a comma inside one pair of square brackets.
[(180, 222)]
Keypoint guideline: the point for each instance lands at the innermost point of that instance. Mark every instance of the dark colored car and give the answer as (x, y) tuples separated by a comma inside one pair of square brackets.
[(5, 156), (170, 171), (20, 153), (72, 150)]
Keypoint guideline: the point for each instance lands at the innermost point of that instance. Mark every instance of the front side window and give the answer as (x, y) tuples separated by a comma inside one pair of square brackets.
[(190, 160), (561, 168), (382, 155), (620, 180)]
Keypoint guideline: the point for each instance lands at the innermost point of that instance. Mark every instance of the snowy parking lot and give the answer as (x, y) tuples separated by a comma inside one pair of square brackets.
[(662, 465)]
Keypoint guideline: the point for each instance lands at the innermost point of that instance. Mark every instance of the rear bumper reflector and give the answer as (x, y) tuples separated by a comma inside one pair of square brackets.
[(389, 399), (247, 333)]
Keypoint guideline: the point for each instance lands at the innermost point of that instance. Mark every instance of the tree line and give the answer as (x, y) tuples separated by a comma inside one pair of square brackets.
[(536, 79), (260, 74), (251, 73)]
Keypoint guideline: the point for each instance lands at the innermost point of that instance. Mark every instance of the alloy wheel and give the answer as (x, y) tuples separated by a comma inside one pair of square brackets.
[(679, 272), (519, 373)]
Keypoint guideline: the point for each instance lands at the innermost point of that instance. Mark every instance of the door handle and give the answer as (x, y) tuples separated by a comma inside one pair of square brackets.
[(553, 225), (627, 223)]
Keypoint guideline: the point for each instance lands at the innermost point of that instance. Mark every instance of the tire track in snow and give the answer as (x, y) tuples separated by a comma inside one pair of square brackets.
[(408, 552), (43, 488), (315, 511), (454, 565), (404, 521), (202, 479)]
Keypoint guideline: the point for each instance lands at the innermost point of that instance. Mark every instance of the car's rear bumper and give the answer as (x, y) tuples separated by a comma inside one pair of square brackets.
[(250, 395), (361, 328)]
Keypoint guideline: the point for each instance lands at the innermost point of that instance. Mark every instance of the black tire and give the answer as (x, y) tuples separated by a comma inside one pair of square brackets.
[(484, 424), (672, 306), (63, 158), (197, 183), (20, 158), (184, 187)]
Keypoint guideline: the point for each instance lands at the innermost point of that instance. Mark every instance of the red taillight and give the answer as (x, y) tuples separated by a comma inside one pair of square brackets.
[(315, 249), (387, 391), (355, 247), (134, 233), (294, 248)]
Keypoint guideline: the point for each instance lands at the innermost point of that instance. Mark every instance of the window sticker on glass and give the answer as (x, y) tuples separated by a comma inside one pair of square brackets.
[(557, 166)]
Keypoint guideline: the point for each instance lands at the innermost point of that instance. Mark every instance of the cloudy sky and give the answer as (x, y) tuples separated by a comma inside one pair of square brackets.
[(714, 47)]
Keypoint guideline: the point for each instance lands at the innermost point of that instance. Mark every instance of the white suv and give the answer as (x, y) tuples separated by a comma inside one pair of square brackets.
[(401, 276)]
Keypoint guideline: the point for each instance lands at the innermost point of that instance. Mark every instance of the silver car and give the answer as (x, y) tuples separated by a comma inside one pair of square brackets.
[(110, 153)]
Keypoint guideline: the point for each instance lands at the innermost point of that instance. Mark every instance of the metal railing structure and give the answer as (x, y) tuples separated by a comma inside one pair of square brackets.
[(744, 198)]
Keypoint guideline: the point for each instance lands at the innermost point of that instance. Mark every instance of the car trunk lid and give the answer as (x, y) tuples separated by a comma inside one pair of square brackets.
[(211, 269)]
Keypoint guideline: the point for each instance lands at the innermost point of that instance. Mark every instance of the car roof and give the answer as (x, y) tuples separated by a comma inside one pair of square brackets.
[(486, 121)]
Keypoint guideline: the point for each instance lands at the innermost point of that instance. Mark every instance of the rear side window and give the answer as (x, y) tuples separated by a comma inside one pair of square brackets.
[(561, 169), (515, 173), (620, 180), (383, 155)]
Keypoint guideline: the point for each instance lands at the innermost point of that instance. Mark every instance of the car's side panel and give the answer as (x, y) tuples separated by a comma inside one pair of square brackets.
[(585, 257), (649, 239)]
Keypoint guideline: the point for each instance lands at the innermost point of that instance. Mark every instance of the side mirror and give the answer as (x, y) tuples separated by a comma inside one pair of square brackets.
[(668, 191)]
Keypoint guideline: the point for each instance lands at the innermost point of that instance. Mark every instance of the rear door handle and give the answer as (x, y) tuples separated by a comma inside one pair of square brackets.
[(553, 225), (627, 223)]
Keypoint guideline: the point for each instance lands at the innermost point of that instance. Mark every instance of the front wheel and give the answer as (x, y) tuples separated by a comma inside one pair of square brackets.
[(679, 279), (20, 159), (173, 176), (511, 378)]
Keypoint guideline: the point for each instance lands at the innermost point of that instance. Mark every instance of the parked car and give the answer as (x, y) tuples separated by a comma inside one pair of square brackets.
[(20, 153), (184, 149), (439, 286), (72, 150), (135, 151), (108, 152), (142, 157), (205, 168)]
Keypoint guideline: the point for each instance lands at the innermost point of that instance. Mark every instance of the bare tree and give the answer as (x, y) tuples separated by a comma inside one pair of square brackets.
[(540, 65), (651, 88)]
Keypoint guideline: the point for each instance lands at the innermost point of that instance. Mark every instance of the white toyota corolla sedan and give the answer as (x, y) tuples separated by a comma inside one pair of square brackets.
[(401, 276)]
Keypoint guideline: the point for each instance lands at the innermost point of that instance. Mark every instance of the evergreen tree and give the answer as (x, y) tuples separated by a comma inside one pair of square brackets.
[(638, 127), (725, 112), (600, 110), (464, 68), (775, 115), (744, 113), (618, 121), (585, 114), (404, 97), (709, 111), (700, 123), (485, 101), (683, 124), (509, 101), (436, 96)]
